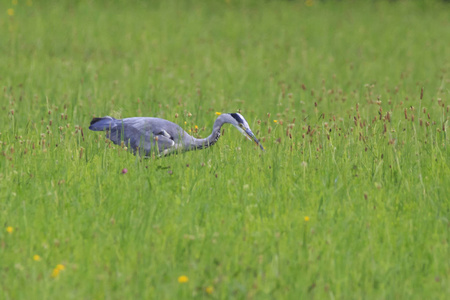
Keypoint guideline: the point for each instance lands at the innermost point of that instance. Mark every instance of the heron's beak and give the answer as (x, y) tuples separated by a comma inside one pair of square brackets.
[(249, 134)]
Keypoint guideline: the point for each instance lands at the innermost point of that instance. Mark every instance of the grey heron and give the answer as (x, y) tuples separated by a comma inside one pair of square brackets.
[(144, 133)]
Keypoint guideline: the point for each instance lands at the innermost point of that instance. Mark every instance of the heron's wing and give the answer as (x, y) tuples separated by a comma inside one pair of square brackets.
[(131, 136), (142, 134), (166, 144)]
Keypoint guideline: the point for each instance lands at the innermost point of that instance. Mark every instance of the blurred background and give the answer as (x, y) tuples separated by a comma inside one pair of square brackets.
[(132, 58)]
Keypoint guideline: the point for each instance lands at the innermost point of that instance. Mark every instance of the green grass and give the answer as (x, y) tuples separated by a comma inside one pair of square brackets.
[(374, 183)]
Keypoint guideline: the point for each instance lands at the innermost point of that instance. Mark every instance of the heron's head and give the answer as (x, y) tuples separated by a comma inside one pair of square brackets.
[(238, 121)]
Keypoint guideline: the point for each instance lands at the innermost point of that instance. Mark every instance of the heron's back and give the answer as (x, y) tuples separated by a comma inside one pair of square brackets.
[(154, 126)]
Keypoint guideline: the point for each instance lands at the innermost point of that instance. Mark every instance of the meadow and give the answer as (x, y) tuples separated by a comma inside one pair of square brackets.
[(350, 200)]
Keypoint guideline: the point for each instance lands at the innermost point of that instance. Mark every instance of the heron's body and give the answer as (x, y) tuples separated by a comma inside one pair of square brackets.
[(144, 134)]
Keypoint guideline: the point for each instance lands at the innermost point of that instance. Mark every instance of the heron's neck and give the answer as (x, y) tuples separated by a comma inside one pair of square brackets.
[(212, 138)]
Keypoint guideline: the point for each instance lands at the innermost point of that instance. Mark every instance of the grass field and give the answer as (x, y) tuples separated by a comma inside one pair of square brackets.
[(350, 200)]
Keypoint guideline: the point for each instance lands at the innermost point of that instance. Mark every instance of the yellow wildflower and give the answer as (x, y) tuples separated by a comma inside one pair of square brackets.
[(183, 279), (9, 229), (275, 121), (36, 257), (306, 218), (10, 12), (209, 290), (196, 127), (57, 270), (218, 113)]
